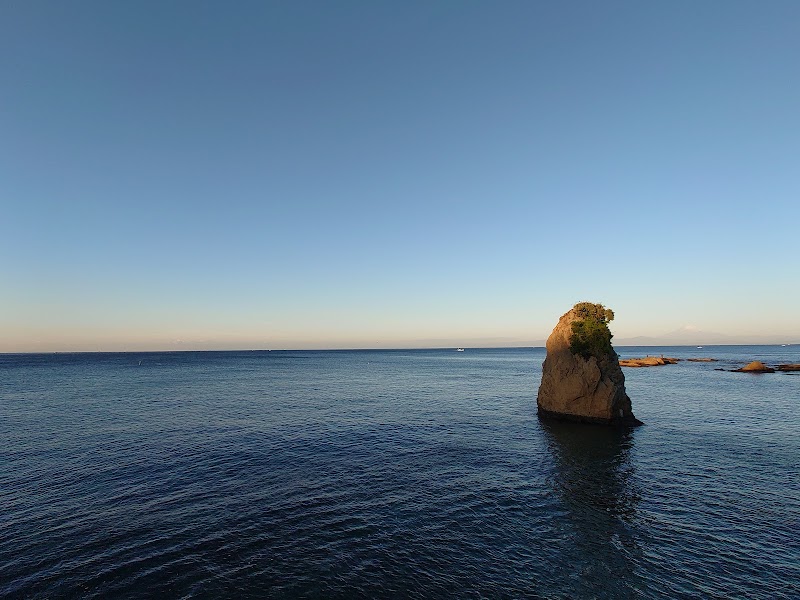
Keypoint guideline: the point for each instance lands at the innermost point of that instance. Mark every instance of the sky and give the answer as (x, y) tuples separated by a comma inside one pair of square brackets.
[(212, 175)]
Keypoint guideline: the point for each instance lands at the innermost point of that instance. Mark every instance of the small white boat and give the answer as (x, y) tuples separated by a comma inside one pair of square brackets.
[(459, 349)]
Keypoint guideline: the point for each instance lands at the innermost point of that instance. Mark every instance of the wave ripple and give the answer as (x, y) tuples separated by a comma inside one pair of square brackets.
[(412, 474)]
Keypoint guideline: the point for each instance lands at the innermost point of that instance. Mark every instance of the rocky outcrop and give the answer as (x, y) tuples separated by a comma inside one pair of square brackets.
[(578, 387), (649, 361), (788, 368), (755, 367)]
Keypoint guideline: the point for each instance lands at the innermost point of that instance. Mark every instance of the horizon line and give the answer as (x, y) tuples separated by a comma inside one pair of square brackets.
[(382, 349)]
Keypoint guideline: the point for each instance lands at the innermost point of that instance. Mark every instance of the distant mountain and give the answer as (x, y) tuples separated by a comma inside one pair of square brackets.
[(691, 336)]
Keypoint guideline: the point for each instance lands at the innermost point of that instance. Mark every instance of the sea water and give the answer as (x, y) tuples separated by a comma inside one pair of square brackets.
[(408, 474)]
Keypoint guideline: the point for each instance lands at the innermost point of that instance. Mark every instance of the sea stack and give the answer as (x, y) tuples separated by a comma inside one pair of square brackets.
[(581, 376)]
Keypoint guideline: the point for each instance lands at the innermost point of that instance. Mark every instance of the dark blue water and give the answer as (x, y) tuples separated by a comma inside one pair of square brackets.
[(392, 474)]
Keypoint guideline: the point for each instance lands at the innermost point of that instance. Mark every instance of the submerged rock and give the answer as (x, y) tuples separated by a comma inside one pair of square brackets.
[(581, 376)]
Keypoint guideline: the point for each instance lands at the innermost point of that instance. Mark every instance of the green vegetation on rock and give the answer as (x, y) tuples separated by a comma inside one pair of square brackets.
[(590, 333)]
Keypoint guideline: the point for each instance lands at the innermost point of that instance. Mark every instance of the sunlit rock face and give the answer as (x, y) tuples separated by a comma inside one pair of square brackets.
[(578, 388), (756, 367)]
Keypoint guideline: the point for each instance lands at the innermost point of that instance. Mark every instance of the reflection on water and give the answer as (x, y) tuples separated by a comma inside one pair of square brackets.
[(592, 475)]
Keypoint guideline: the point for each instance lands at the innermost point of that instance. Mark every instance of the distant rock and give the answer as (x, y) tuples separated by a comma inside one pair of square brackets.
[(787, 368), (649, 361), (702, 359), (581, 376), (755, 367)]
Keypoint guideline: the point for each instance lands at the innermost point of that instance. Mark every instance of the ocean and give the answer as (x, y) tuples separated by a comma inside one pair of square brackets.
[(392, 474)]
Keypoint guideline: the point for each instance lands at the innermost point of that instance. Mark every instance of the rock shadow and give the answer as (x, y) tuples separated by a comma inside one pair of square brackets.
[(592, 478)]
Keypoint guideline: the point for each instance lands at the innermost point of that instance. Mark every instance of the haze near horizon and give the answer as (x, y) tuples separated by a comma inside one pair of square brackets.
[(317, 175)]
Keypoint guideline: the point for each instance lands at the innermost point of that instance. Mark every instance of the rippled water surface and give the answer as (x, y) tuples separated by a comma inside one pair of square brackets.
[(392, 474)]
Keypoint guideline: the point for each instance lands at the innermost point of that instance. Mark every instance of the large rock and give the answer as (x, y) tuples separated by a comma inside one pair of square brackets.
[(649, 361), (578, 388)]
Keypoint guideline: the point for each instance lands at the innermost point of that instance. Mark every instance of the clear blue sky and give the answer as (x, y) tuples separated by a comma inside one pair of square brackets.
[(338, 174)]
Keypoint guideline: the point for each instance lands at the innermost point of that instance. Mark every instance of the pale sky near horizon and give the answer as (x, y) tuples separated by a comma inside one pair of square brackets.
[(359, 174)]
